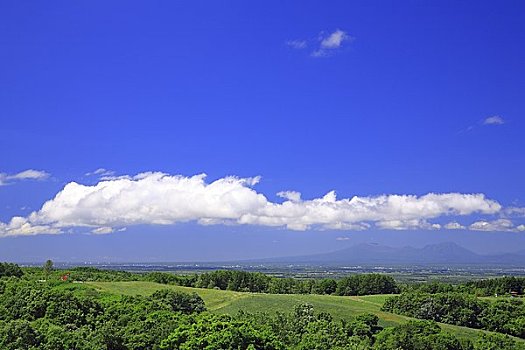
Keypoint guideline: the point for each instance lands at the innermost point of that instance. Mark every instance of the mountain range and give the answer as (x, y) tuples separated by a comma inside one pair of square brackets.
[(448, 253)]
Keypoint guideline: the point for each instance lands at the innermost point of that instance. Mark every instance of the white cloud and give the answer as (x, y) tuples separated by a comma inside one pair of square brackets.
[(103, 230), (454, 226), (515, 211), (361, 226), (20, 226), (331, 42), (494, 120), (290, 195), (162, 199), (326, 44), (334, 40), (101, 172), (495, 225), (297, 44), (29, 174), (410, 224), (150, 198), (388, 211)]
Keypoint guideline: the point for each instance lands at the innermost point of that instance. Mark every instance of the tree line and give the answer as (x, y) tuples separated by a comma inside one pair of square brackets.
[(242, 281), (485, 287), (235, 280), (504, 315)]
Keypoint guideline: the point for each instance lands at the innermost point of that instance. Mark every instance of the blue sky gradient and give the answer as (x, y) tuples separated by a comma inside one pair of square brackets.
[(399, 105)]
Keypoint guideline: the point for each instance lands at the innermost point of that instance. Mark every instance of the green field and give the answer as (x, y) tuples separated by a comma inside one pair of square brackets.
[(228, 302)]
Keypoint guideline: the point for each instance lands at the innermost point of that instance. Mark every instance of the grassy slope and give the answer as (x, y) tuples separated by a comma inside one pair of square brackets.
[(228, 302)]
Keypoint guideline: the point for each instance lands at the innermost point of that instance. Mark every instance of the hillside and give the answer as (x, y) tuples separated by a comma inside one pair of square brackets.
[(228, 302)]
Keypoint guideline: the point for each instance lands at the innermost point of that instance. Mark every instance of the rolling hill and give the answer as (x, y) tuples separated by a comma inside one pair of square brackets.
[(229, 302)]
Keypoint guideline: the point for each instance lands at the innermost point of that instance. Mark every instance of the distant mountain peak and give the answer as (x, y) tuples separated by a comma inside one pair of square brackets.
[(444, 253)]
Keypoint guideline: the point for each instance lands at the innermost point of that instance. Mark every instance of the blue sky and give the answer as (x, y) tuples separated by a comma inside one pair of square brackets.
[(381, 101)]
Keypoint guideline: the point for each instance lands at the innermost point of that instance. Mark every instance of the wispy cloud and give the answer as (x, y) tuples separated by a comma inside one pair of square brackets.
[(297, 44), (489, 121), (494, 120), (331, 42), (342, 239), (29, 174), (103, 230), (161, 199), (515, 211), (101, 172), (325, 45)]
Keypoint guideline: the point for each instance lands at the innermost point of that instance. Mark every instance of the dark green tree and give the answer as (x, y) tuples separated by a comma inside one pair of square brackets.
[(179, 301), (48, 268)]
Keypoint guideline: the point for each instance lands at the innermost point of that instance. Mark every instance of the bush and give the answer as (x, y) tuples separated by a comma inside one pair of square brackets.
[(10, 270), (180, 301)]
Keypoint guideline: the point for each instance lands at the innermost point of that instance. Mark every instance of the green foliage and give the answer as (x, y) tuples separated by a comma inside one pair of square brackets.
[(366, 284), (486, 287), (10, 270), (432, 287), (503, 315), (93, 274), (500, 286), (498, 342), (325, 286), (18, 335), (242, 281), (56, 318), (179, 301), (136, 322), (417, 335), (170, 278), (65, 316), (48, 267), (211, 332), (68, 309), (234, 280), (305, 329)]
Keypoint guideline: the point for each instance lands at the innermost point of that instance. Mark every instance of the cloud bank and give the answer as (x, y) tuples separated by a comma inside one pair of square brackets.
[(156, 198)]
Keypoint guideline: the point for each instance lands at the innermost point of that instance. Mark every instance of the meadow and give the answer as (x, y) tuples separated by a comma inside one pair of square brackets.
[(230, 302)]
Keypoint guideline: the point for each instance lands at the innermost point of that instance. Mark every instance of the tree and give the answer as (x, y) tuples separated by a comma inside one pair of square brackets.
[(7, 270), (179, 301), (497, 342), (18, 335), (210, 332), (48, 267), (416, 335)]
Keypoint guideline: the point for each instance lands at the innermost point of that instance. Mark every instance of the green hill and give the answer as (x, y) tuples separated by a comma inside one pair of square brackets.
[(228, 302)]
